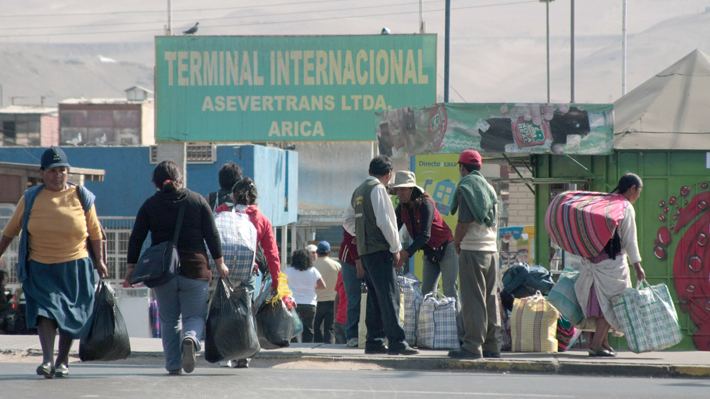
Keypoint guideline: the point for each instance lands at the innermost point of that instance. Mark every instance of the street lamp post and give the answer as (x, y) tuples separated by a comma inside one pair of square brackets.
[(447, 40), (547, 13)]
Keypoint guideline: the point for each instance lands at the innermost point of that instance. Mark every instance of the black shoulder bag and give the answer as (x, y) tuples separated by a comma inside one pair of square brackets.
[(159, 263)]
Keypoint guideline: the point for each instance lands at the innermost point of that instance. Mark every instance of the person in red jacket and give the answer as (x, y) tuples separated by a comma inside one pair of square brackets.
[(352, 278), (426, 227)]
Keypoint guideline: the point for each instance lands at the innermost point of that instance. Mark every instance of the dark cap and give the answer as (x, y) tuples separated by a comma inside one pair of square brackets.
[(323, 247), (54, 157), (470, 157)]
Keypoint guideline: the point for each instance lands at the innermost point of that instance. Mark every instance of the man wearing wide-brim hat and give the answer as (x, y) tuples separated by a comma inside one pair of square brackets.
[(429, 233)]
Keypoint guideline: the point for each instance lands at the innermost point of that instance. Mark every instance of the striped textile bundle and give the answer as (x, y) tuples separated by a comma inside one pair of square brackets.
[(533, 325), (567, 334), (583, 222)]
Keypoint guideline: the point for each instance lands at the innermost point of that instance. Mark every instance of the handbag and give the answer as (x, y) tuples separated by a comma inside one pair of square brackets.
[(435, 255), (159, 263), (648, 317)]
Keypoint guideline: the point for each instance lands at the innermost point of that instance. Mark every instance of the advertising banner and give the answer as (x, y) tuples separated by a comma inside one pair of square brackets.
[(448, 128), (287, 88), (438, 175)]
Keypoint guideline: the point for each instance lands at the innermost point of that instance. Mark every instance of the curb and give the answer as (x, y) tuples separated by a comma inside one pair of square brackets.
[(516, 366), (510, 366)]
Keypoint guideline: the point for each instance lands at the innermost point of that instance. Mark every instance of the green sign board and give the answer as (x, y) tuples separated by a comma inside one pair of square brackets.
[(287, 88)]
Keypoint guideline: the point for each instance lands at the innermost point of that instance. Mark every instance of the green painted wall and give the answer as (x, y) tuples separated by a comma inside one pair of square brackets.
[(666, 175)]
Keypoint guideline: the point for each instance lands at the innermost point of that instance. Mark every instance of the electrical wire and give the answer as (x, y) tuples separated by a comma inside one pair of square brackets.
[(163, 10), (275, 22), (216, 18), (453, 88)]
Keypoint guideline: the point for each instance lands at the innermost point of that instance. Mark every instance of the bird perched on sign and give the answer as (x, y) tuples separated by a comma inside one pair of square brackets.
[(192, 30)]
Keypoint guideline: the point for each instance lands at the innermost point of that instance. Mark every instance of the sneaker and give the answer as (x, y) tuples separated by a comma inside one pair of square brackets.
[(463, 354), (175, 372), (242, 363), (376, 351), (406, 351), (227, 363), (353, 342), (46, 369), (492, 355), (188, 355), (61, 371)]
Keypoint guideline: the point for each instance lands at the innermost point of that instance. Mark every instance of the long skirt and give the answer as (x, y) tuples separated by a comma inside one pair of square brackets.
[(63, 292)]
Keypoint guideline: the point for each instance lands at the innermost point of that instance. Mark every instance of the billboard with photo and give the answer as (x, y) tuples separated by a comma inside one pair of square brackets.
[(447, 128), (287, 88)]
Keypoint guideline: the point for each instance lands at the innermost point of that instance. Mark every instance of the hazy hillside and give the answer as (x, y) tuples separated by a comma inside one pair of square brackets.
[(497, 50)]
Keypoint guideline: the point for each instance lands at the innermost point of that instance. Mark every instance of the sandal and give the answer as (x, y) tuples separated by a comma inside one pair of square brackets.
[(599, 353), (610, 350)]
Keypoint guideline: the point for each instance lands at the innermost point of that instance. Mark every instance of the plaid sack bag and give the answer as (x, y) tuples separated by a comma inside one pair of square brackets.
[(238, 237), (413, 297), (362, 326), (436, 324), (533, 325), (563, 297), (648, 318)]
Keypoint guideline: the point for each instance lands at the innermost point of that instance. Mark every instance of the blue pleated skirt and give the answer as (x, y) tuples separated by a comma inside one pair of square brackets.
[(63, 292)]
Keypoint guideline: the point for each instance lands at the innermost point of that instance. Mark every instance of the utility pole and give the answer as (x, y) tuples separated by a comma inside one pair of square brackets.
[(170, 17), (447, 39), (623, 50), (547, 14), (572, 52), (422, 24)]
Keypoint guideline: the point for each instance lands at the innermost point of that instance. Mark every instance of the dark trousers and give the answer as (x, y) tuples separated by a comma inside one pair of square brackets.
[(325, 316), (340, 333), (307, 313), (382, 316), (353, 292)]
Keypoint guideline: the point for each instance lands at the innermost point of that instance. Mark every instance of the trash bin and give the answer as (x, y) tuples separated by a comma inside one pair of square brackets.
[(134, 304)]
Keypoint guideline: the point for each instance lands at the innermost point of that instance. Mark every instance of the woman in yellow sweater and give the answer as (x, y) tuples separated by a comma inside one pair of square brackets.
[(54, 266)]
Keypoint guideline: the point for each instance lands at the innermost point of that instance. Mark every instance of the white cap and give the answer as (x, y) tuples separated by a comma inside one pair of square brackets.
[(311, 248)]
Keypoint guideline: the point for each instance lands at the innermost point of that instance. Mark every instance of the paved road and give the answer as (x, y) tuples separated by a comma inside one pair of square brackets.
[(149, 380)]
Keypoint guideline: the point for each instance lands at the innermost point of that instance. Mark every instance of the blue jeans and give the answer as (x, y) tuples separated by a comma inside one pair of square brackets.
[(447, 268), (353, 292), (186, 298)]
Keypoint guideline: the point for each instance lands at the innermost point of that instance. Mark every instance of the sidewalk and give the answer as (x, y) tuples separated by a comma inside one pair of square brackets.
[(687, 364)]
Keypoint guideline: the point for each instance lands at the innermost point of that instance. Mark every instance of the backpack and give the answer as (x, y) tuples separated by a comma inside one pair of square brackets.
[(521, 281)]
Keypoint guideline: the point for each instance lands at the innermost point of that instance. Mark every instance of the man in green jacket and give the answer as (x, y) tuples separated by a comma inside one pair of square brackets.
[(475, 241)]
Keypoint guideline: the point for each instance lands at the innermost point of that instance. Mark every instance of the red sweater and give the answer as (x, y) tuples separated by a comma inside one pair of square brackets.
[(348, 249), (265, 237)]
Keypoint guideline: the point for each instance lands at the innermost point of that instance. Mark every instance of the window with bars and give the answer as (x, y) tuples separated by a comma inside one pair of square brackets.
[(195, 153)]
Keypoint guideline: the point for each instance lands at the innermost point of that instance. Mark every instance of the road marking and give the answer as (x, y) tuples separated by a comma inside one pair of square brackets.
[(524, 395)]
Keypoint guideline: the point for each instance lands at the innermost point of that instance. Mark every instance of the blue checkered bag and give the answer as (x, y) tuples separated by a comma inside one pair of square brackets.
[(436, 324), (413, 297), (238, 237), (648, 317)]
